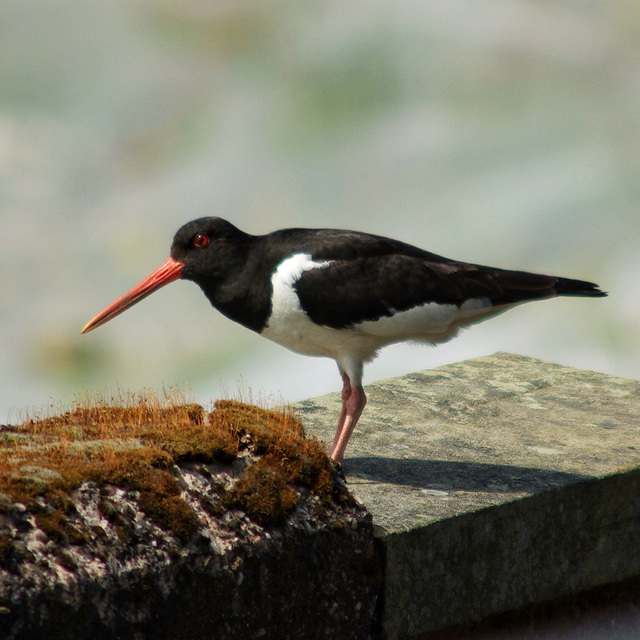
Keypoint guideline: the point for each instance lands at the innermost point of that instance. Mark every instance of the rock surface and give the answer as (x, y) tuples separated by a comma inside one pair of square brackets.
[(103, 563)]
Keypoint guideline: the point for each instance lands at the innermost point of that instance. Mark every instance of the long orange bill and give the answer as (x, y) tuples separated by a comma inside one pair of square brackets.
[(164, 274)]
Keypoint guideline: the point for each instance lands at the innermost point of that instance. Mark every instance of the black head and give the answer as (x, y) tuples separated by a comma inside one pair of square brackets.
[(207, 247)]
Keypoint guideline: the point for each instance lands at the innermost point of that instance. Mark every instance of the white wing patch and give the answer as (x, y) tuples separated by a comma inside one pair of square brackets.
[(431, 321)]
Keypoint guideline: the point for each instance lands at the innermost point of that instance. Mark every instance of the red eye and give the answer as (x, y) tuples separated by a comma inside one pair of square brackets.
[(201, 240)]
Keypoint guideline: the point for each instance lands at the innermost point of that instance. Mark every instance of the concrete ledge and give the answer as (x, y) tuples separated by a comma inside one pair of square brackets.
[(495, 483)]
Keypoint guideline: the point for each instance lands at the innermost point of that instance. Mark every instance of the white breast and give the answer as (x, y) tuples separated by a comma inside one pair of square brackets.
[(288, 324), (291, 327)]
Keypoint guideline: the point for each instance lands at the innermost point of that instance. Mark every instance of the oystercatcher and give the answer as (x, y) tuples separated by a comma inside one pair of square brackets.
[(340, 294)]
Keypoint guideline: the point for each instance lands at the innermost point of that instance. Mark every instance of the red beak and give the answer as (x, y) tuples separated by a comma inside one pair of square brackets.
[(164, 274)]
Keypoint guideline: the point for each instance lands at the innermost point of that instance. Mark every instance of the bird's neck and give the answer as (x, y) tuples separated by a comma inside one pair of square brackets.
[(243, 293)]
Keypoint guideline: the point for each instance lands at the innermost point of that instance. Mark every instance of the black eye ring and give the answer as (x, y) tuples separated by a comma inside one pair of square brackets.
[(201, 240)]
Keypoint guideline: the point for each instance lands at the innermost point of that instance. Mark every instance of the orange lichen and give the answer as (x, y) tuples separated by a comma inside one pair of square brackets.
[(290, 459), (135, 447), (263, 492)]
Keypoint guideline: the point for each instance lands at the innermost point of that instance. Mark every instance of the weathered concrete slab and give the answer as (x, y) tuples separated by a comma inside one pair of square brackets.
[(495, 483)]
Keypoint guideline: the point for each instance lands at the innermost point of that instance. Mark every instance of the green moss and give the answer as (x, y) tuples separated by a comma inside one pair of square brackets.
[(53, 524), (170, 512), (263, 492), (135, 447)]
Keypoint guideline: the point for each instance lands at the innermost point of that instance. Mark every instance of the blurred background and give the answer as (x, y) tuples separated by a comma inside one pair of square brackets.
[(505, 132)]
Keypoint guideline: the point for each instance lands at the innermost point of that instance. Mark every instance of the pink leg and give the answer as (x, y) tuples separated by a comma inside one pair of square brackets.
[(346, 393), (353, 401)]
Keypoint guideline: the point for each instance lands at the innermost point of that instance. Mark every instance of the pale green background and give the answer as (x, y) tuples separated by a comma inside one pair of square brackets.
[(504, 132)]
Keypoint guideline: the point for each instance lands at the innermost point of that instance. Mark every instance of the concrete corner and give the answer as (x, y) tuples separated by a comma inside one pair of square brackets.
[(495, 483)]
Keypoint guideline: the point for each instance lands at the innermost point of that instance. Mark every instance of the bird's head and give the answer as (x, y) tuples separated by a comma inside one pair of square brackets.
[(200, 249), (205, 247)]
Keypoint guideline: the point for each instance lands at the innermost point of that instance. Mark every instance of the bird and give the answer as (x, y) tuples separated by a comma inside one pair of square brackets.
[(339, 294)]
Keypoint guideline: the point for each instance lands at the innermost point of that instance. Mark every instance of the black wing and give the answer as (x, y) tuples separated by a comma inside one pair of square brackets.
[(370, 277)]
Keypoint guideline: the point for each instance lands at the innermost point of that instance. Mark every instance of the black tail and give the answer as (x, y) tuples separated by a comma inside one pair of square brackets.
[(512, 287), (568, 287)]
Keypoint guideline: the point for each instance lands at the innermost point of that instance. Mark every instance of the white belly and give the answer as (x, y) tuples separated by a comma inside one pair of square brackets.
[(290, 326)]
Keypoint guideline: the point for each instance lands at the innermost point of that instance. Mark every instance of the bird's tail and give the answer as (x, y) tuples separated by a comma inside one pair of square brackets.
[(513, 287), (569, 287)]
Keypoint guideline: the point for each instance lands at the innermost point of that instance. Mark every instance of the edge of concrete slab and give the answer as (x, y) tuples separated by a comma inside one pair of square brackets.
[(503, 558), (496, 483)]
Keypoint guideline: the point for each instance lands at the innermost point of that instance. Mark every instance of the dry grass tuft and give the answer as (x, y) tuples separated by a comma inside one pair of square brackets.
[(134, 443)]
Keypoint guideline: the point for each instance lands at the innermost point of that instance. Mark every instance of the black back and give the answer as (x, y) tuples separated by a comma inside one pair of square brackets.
[(369, 276)]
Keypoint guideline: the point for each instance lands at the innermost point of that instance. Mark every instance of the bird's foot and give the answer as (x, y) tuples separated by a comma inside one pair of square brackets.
[(339, 470)]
